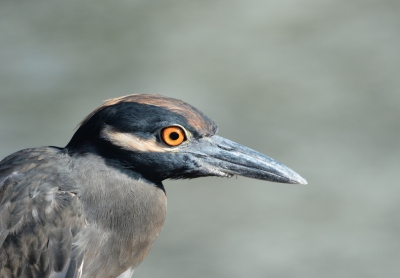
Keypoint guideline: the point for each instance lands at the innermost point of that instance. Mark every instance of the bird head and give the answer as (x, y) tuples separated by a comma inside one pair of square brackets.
[(160, 138)]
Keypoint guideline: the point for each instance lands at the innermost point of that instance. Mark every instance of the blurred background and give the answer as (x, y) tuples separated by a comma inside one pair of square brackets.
[(313, 84)]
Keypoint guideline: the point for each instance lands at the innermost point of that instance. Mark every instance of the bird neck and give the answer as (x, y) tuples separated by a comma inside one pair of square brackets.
[(111, 155), (104, 183), (123, 211)]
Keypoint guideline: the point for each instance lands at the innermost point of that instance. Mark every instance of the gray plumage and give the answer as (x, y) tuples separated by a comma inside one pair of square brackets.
[(40, 215), (95, 207), (39, 243)]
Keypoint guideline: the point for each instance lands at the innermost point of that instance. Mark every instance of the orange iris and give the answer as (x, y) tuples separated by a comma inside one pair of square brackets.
[(173, 136)]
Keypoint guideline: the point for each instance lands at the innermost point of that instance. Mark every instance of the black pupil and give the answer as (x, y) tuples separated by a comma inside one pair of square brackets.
[(174, 136)]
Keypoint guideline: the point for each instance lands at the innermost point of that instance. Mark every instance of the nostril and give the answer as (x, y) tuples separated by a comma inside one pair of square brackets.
[(224, 147)]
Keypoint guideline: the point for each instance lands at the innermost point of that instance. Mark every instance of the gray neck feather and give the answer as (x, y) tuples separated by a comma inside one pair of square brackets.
[(124, 216)]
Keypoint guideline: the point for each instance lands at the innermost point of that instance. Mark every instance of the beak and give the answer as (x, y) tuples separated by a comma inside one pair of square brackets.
[(221, 157)]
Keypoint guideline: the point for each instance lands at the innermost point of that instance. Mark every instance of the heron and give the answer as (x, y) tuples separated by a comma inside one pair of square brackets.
[(95, 207)]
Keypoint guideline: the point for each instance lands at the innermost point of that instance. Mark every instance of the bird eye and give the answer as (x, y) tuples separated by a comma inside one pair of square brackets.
[(173, 135)]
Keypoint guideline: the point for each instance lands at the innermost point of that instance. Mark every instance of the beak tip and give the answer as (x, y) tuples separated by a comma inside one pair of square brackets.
[(301, 180), (291, 176), (294, 178), (304, 182)]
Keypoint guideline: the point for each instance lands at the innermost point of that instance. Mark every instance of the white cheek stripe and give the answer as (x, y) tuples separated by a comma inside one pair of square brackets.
[(131, 142)]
